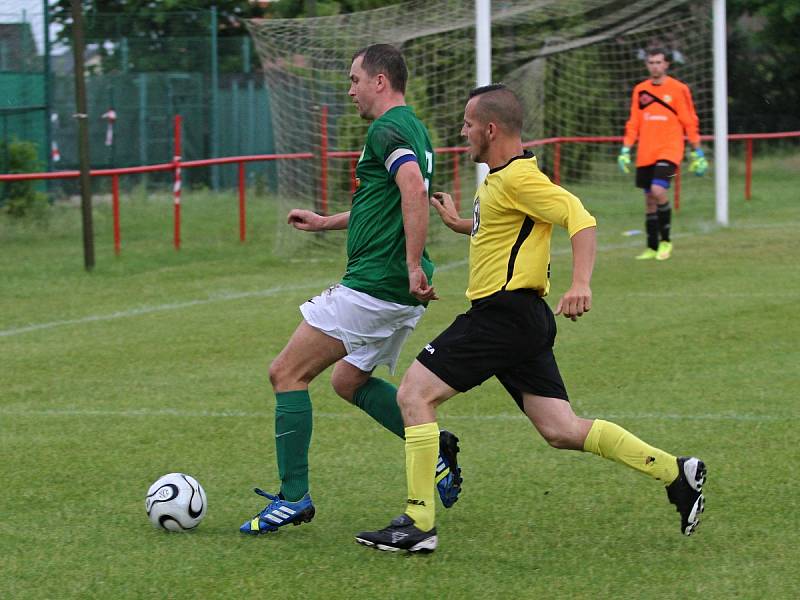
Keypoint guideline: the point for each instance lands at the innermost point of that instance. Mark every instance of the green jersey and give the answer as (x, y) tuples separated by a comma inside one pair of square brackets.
[(376, 245)]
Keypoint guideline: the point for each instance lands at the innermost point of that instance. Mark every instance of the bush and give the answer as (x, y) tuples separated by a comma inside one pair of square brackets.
[(20, 198)]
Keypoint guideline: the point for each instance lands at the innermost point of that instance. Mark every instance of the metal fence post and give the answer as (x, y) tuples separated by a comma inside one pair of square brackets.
[(214, 99)]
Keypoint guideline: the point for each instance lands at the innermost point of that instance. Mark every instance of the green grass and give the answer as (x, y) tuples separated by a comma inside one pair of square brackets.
[(156, 362)]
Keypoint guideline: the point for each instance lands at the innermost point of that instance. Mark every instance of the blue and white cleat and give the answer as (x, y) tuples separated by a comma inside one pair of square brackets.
[(448, 473), (279, 512)]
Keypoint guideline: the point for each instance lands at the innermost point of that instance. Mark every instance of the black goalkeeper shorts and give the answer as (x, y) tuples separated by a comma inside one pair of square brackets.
[(660, 173), (509, 335)]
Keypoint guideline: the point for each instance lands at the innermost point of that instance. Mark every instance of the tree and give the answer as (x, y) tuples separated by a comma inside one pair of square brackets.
[(171, 35), (763, 71), (287, 9)]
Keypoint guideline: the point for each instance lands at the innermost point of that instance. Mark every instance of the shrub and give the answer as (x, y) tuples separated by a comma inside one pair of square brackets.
[(20, 198)]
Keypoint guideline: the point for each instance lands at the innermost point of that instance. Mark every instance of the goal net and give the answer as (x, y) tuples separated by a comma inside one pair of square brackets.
[(573, 62)]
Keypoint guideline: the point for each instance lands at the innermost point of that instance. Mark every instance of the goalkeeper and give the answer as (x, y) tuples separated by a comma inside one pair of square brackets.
[(661, 113)]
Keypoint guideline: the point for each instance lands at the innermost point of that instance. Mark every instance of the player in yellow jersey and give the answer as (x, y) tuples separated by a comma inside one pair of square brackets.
[(509, 331)]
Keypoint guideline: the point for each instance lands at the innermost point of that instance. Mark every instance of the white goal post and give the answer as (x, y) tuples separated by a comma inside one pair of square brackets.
[(573, 62)]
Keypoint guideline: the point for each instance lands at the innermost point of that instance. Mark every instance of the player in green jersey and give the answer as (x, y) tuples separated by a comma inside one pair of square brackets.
[(363, 321)]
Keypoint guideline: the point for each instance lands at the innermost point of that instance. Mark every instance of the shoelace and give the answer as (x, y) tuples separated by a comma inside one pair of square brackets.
[(261, 492), (274, 500)]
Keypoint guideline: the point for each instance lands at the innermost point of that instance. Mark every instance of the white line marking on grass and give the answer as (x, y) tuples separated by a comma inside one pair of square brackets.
[(243, 414), (695, 295), (144, 310)]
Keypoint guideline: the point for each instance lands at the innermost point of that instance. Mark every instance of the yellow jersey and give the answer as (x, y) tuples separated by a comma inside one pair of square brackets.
[(514, 211)]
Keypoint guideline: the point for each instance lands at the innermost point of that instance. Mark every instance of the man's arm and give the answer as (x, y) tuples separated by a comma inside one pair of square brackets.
[(446, 208), (634, 119), (631, 134), (688, 117), (307, 220), (578, 298), (691, 125), (414, 202)]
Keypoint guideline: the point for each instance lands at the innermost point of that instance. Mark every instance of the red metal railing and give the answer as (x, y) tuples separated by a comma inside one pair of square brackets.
[(748, 138), (175, 166), (326, 155)]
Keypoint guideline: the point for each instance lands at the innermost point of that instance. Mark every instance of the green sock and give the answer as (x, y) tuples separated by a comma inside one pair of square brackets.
[(292, 437), (378, 398)]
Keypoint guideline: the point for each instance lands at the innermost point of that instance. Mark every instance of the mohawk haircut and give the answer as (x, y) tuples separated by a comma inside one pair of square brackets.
[(498, 104)]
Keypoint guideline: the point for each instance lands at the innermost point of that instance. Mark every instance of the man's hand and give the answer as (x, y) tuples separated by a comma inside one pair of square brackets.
[(698, 164), (575, 302), (306, 220), (418, 285), (446, 208), (624, 160), (444, 205)]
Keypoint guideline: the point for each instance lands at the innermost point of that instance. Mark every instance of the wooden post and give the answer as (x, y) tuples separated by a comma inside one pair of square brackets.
[(83, 135)]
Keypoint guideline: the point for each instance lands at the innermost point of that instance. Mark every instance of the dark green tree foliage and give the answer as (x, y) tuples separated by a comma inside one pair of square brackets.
[(289, 9), (170, 35), (173, 35), (763, 70), (574, 70)]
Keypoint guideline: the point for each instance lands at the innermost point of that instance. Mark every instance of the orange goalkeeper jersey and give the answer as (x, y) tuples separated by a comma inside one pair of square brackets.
[(660, 114)]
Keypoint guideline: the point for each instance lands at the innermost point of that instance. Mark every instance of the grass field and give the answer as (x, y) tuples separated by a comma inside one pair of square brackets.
[(156, 362)]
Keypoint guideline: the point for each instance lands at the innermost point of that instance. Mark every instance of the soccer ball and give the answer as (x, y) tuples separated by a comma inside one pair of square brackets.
[(175, 502)]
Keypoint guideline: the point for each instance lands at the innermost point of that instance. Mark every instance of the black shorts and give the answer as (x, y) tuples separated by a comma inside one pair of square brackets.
[(509, 335), (659, 173)]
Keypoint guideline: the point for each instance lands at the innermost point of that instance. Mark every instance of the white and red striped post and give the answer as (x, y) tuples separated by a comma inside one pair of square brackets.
[(115, 212), (748, 168), (176, 188), (242, 213)]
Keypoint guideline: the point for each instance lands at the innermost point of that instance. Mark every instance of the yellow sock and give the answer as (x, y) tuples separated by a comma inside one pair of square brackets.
[(422, 452), (612, 441)]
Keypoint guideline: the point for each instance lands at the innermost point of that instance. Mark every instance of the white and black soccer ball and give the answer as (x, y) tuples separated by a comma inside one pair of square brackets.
[(176, 502)]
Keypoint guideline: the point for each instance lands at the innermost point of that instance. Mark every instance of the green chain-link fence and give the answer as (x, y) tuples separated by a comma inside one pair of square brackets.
[(212, 81)]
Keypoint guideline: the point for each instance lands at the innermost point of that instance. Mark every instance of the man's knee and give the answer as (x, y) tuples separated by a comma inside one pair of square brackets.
[(405, 395), (659, 194), (561, 433), (344, 387), (276, 372), (556, 436), (409, 395), (283, 375), (346, 380)]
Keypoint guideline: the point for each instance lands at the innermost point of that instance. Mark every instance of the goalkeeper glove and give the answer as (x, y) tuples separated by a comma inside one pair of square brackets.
[(698, 164), (624, 160)]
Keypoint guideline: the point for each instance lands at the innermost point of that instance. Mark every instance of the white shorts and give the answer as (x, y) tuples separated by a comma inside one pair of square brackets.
[(372, 330)]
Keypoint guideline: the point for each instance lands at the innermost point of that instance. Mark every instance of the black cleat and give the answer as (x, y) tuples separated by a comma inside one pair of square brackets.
[(401, 534), (686, 492)]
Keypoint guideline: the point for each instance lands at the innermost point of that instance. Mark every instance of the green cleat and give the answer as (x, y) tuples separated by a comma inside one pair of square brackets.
[(648, 254), (664, 251)]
